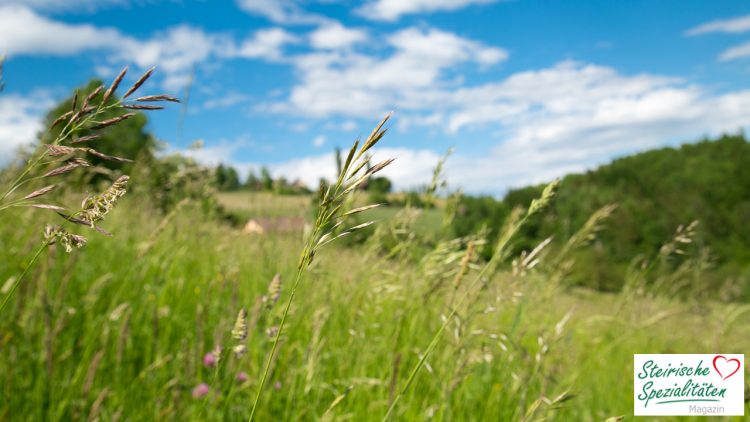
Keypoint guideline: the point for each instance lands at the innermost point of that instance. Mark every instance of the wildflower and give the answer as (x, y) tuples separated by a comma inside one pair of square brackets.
[(200, 390), (241, 377), (277, 385), (209, 360)]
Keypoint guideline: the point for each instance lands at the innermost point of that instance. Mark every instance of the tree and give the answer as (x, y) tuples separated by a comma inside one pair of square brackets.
[(265, 179), (379, 185), (227, 178), (252, 182)]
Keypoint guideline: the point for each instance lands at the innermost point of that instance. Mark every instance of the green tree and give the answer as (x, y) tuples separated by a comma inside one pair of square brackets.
[(227, 178), (252, 182), (265, 179)]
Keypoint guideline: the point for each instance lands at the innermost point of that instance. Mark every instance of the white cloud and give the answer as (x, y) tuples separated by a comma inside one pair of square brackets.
[(211, 155), (543, 123), (176, 50), (227, 100), (348, 125), (318, 141), (391, 10), (736, 52), (20, 121), (335, 36), (440, 48), (732, 26), (266, 44), (281, 11), (22, 31), (574, 116), (353, 84)]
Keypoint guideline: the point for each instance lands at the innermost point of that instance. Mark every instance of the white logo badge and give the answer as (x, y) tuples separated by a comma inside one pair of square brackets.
[(682, 385)]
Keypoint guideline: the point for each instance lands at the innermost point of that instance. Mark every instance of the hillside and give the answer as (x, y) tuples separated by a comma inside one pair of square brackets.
[(656, 191)]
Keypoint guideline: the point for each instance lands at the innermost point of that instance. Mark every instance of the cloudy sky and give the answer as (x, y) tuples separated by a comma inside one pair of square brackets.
[(525, 90)]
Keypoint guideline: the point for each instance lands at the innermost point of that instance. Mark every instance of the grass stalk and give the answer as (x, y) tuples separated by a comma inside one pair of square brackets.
[(267, 366), (13, 288)]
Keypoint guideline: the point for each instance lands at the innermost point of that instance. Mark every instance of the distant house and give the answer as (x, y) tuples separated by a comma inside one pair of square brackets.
[(263, 225)]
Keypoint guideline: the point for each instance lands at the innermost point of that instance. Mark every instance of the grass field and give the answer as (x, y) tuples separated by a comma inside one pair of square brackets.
[(119, 330)]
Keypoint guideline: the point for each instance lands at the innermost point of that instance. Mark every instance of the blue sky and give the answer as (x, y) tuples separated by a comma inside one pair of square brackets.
[(524, 90)]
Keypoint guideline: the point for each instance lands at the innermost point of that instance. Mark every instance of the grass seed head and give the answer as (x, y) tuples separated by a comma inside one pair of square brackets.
[(39, 192), (139, 82), (274, 291), (239, 332), (54, 234), (547, 194), (115, 84), (95, 208)]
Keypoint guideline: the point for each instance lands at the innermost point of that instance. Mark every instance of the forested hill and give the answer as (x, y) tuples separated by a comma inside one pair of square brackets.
[(656, 191)]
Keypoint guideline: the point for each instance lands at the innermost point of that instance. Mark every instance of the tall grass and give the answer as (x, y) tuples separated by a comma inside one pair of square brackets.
[(66, 153), (105, 333)]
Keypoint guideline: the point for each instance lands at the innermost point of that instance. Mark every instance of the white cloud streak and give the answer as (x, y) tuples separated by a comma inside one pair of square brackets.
[(392, 10), (736, 52), (729, 26), (286, 12)]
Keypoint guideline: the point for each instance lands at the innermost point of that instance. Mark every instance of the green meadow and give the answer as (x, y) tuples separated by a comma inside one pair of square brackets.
[(118, 330)]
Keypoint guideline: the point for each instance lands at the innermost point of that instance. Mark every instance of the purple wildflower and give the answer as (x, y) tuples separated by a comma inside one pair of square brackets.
[(200, 390)]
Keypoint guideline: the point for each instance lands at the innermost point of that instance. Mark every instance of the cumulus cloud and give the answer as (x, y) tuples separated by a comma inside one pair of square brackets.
[(731, 26), (318, 141), (177, 50), (23, 31), (354, 84), (549, 122), (575, 116), (265, 44), (335, 36), (392, 10)]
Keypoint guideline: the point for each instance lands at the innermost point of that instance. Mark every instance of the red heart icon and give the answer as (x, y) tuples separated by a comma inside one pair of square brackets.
[(726, 365)]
